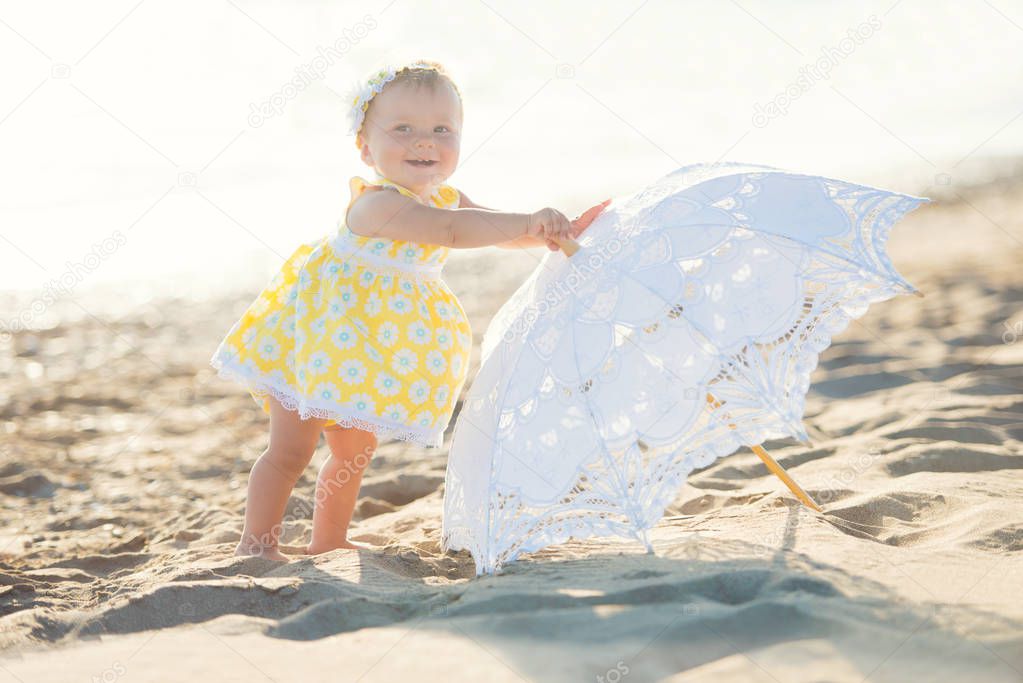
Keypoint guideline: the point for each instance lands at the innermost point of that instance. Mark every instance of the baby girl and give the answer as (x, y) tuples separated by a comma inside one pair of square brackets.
[(358, 336)]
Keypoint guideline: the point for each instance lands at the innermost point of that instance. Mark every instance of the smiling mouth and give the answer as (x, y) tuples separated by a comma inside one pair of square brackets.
[(420, 163)]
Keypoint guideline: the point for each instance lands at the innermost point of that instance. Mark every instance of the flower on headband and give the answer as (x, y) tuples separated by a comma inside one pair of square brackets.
[(362, 93)]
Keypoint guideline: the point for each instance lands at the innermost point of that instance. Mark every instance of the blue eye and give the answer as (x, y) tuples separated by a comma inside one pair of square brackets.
[(399, 127), (439, 129)]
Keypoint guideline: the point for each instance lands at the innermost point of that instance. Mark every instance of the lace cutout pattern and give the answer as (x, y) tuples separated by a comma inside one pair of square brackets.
[(590, 407)]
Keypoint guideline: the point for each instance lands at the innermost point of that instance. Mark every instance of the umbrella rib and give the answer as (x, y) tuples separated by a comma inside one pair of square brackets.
[(772, 465), (721, 356), (817, 249), (898, 279), (640, 534), (876, 193)]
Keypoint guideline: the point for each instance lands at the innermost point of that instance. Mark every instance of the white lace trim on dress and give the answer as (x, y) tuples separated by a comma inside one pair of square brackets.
[(290, 398)]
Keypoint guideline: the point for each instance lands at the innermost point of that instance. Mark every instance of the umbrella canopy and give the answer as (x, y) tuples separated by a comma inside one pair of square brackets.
[(717, 285)]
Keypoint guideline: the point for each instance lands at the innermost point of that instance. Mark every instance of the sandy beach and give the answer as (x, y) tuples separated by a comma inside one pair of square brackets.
[(124, 460)]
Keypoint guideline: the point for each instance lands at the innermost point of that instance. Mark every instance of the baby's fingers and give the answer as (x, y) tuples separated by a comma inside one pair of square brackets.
[(560, 227), (584, 219), (550, 229)]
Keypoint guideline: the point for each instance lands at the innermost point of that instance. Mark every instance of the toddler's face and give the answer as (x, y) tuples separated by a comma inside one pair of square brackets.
[(412, 134)]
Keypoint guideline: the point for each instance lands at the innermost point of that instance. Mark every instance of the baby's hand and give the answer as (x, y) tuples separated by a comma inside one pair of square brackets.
[(551, 225), (580, 223)]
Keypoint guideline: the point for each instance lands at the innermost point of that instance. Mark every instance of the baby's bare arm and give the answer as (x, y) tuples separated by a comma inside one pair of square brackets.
[(522, 241), (385, 213)]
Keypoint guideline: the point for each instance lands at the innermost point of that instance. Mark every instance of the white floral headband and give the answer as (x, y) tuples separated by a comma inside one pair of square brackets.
[(362, 93)]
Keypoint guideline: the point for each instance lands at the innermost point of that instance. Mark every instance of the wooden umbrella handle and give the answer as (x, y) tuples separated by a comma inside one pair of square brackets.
[(569, 245), (776, 469)]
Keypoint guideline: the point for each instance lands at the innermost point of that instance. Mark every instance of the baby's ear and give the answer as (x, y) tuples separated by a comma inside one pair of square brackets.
[(364, 153)]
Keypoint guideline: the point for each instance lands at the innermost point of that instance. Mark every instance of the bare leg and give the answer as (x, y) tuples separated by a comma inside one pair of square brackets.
[(273, 476), (337, 487)]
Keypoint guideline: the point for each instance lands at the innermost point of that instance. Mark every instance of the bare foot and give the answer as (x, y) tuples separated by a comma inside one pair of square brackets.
[(268, 552), (351, 545)]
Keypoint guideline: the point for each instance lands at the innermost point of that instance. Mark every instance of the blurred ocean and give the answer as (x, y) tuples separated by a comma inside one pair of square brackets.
[(153, 148)]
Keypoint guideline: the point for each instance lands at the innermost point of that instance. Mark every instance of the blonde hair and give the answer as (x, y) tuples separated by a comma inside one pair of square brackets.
[(423, 72)]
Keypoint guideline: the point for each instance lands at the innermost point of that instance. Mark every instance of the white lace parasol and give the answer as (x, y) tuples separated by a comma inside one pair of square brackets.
[(591, 403)]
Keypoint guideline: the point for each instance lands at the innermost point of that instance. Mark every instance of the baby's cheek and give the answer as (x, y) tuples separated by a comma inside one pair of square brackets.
[(451, 146)]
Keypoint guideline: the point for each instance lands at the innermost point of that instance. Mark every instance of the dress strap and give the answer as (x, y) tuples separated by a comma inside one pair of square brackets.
[(384, 182), (445, 196), (357, 185)]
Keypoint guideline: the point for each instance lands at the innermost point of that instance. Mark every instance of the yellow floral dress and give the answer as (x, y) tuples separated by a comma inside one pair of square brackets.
[(358, 330)]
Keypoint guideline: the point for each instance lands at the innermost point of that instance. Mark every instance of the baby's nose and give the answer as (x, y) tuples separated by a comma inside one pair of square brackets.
[(424, 142)]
